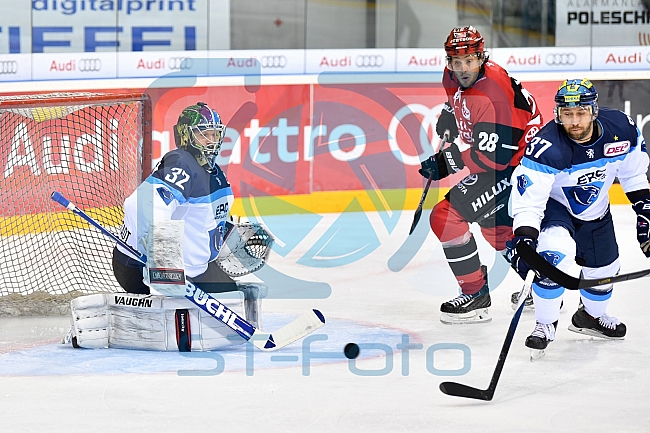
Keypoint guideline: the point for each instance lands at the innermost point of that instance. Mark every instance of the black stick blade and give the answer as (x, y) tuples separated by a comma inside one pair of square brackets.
[(460, 390), (416, 218)]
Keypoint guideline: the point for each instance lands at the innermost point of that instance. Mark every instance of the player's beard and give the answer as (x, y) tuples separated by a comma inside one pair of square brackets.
[(579, 133), (467, 78)]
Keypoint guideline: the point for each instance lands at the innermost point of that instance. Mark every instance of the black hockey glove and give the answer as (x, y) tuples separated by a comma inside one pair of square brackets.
[(642, 209), (447, 122), (516, 262), (442, 164)]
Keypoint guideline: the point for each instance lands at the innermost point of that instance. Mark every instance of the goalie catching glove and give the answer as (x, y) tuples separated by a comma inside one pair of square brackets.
[(642, 209), (442, 164)]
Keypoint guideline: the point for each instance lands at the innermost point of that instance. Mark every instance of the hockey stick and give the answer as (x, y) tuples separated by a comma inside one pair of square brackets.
[(541, 265), (418, 211), (460, 390), (302, 326)]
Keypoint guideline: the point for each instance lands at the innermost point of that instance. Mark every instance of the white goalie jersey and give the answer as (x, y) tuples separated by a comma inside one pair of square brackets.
[(180, 189), (578, 177)]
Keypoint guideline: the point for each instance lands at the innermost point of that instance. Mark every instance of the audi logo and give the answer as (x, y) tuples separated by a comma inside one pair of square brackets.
[(273, 61), (560, 59), (180, 63), (8, 67), (369, 61), (89, 65)]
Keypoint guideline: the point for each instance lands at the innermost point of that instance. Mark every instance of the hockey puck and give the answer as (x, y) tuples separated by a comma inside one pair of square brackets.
[(351, 350)]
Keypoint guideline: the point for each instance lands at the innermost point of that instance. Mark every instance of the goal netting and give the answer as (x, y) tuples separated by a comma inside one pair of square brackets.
[(94, 149)]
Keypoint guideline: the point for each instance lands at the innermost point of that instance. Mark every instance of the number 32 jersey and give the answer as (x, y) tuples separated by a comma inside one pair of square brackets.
[(579, 177), (180, 189)]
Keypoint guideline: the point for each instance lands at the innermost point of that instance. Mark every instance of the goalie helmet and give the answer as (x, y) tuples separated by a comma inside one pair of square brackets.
[(576, 93), (199, 130), (465, 40)]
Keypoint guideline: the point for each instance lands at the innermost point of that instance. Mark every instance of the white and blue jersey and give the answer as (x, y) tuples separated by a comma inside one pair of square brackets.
[(180, 189), (576, 176)]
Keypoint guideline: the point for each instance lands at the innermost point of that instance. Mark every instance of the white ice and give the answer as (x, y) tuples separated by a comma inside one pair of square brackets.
[(581, 384)]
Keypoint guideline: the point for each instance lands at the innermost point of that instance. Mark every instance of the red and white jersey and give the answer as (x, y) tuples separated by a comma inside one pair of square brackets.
[(495, 116)]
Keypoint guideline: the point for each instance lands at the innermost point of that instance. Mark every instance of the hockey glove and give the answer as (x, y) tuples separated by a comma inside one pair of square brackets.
[(447, 122), (516, 262), (642, 209), (447, 161)]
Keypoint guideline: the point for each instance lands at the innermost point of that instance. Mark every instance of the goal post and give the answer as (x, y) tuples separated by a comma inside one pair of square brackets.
[(94, 148)]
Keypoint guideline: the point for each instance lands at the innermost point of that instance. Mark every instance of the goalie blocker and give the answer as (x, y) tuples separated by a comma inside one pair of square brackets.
[(152, 322)]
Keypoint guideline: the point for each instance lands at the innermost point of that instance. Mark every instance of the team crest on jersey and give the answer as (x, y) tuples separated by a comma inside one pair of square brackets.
[(617, 148), (523, 182), (465, 110), (582, 196)]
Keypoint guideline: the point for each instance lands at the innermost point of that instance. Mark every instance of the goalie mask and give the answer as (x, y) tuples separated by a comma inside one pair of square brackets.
[(199, 130), (576, 93)]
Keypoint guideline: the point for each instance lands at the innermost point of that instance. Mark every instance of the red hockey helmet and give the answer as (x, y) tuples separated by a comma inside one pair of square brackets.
[(464, 40)]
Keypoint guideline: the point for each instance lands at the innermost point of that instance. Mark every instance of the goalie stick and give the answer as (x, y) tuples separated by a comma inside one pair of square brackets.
[(460, 390), (302, 326), (541, 265)]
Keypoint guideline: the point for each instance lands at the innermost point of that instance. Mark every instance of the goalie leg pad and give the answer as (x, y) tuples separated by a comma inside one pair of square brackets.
[(148, 322)]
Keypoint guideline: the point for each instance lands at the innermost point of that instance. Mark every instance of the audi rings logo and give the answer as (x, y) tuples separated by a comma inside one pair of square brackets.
[(8, 67), (180, 63), (560, 59), (89, 65), (369, 61), (273, 61)]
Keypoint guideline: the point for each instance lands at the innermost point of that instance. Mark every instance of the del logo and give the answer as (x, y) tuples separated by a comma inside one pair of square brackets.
[(618, 148)]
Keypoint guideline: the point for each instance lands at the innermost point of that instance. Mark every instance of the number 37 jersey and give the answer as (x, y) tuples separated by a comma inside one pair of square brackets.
[(578, 177), (180, 189)]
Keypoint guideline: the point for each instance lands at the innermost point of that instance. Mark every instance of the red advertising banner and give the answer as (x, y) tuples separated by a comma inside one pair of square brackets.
[(281, 139), (298, 139)]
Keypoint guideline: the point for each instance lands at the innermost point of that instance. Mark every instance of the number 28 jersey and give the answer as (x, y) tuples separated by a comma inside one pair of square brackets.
[(579, 177), (495, 116), (180, 189)]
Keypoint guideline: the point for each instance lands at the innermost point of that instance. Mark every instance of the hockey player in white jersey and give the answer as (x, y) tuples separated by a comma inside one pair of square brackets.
[(560, 205), (188, 185)]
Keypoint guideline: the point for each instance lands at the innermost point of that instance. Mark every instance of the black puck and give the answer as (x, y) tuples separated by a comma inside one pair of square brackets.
[(351, 350)]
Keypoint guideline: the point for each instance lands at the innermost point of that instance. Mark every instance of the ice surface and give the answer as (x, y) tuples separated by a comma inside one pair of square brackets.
[(581, 384)]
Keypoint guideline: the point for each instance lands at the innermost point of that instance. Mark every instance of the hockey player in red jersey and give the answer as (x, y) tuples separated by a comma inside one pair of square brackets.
[(493, 117)]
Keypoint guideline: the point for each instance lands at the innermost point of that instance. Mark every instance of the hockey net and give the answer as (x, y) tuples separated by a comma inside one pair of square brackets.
[(94, 149)]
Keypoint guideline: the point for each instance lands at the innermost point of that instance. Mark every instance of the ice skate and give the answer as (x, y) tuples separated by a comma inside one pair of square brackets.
[(467, 308), (528, 303), (539, 339), (604, 326)]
